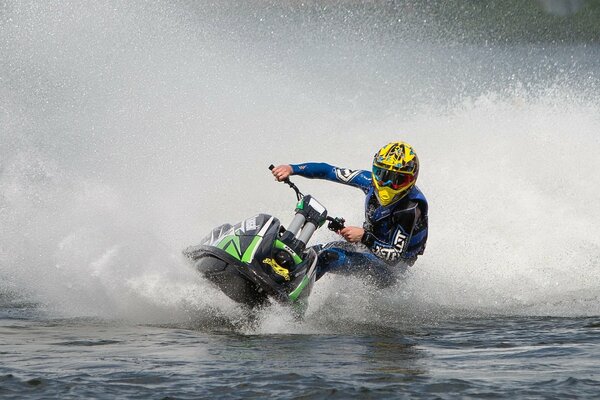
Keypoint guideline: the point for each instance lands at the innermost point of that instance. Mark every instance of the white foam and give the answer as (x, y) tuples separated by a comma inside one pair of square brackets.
[(125, 141)]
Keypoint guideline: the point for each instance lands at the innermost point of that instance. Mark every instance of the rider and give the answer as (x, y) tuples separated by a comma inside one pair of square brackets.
[(395, 227)]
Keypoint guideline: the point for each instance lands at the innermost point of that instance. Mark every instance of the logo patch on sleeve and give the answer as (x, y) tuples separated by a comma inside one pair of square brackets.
[(345, 174)]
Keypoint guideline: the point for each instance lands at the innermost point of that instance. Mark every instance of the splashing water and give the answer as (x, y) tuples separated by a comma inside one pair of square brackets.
[(129, 131)]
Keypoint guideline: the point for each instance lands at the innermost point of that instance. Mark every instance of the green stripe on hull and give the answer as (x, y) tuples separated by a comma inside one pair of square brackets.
[(231, 244), (294, 295), (231, 249), (248, 254)]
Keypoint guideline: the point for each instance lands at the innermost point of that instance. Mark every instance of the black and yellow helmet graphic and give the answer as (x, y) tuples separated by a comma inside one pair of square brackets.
[(395, 171)]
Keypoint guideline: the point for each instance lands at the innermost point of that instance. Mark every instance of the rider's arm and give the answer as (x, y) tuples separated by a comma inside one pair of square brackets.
[(357, 178)]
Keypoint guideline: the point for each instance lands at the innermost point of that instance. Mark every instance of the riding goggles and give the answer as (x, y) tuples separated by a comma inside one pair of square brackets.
[(393, 179)]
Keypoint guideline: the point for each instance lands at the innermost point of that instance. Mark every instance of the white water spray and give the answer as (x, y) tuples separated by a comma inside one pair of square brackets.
[(130, 131)]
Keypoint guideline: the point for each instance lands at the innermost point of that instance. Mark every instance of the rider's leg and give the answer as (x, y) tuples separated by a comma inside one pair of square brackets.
[(342, 258)]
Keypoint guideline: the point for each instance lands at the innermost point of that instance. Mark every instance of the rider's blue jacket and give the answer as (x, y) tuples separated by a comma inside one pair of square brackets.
[(394, 233)]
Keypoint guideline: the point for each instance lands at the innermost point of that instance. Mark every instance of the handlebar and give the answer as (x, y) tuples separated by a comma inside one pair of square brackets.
[(299, 194), (335, 224)]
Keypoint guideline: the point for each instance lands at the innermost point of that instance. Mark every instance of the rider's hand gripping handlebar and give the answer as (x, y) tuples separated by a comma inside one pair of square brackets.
[(335, 224), (299, 195)]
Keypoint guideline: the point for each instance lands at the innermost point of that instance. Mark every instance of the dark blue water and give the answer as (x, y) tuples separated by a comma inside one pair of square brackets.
[(493, 357)]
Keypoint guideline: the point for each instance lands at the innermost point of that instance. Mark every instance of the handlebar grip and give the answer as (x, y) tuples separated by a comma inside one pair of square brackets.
[(336, 224), (286, 180), (299, 195)]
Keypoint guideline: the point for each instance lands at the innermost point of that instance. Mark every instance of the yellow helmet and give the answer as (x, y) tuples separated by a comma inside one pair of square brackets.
[(395, 171)]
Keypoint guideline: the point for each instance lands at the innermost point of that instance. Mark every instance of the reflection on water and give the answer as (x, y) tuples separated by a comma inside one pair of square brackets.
[(389, 355)]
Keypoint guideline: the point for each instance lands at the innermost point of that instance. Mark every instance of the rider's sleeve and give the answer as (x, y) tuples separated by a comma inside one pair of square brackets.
[(406, 241), (357, 178)]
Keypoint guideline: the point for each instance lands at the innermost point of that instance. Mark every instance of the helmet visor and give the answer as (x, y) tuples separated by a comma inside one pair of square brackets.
[(392, 179)]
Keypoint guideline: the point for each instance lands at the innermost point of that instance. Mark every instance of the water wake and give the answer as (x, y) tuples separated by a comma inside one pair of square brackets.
[(129, 133)]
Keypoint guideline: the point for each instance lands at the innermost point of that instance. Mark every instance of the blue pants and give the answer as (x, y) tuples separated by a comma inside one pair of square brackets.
[(343, 258)]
